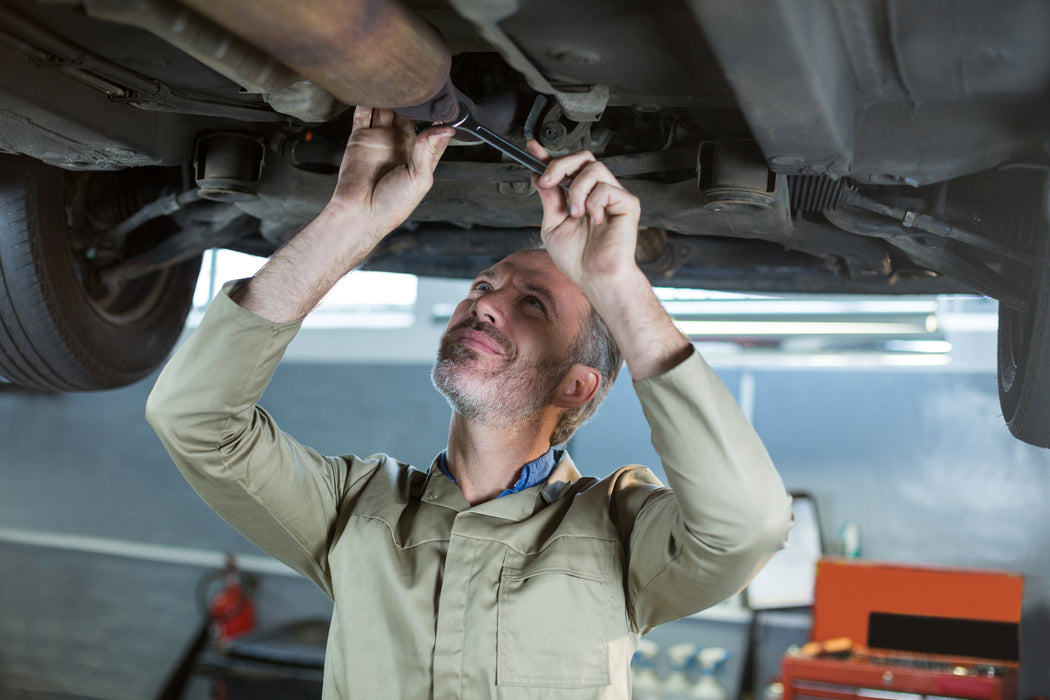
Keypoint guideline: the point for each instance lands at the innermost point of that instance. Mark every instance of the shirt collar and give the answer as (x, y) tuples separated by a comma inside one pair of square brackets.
[(532, 473)]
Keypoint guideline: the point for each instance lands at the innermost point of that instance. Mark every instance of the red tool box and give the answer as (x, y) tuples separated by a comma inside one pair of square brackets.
[(884, 630)]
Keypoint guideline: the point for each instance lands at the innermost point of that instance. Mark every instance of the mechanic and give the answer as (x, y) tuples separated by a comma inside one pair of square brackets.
[(481, 577)]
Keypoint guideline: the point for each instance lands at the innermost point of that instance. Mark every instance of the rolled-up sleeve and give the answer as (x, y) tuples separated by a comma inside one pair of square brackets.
[(279, 494), (727, 511)]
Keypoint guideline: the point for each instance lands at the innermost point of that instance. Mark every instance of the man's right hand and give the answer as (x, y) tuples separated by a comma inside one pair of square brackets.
[(386, 171)]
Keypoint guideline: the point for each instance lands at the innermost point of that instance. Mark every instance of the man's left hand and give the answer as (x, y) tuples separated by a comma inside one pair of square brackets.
[(590, 232)]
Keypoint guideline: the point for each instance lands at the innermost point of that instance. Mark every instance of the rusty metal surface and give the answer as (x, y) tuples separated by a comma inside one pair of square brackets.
[(362, 51), (254, 70)]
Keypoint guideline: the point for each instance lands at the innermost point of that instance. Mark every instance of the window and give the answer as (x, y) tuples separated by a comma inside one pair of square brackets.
[(362, 299)]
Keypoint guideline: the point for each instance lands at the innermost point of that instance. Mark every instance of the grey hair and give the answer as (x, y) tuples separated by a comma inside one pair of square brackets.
[(594, 347)]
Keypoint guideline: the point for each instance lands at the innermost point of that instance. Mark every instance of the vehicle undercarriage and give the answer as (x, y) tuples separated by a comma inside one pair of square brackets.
[(863, 147)]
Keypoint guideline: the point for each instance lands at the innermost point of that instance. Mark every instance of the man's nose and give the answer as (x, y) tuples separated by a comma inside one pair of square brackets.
[(490, 307)]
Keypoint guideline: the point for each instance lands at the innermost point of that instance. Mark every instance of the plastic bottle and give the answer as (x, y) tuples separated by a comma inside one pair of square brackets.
[(774, 691), (682, 657), (849, 537), (711, 660), (645, 684)]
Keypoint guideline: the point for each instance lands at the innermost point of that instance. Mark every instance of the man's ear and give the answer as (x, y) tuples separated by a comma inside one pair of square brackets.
[(578, 387)]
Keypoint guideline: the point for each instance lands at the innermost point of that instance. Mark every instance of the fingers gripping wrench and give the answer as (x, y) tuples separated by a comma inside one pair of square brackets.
[(467, 124)]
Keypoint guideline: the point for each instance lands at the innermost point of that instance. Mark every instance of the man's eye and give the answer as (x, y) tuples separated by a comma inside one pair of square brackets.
[(535, 302), (483, 287)]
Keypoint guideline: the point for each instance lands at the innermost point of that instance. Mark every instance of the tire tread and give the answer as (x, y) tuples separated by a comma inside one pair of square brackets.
[(51, 336)]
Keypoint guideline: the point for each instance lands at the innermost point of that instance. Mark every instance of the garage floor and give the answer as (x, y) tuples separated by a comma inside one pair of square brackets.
[(99, 626)]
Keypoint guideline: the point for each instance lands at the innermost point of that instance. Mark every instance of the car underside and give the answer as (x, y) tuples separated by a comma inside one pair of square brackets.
[(816, 146)]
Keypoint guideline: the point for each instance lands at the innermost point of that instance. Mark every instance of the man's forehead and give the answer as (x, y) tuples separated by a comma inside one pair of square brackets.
[(526, 261), (537, 268)]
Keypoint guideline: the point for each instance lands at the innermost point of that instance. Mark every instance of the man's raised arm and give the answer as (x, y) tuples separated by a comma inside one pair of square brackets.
[(278, 493), (385, 173), (728, 512)]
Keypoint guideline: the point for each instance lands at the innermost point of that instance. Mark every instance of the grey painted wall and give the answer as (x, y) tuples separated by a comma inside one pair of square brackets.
[(918, 460)]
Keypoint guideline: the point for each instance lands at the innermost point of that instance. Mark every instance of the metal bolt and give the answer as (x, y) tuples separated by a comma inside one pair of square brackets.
[(552, 133)]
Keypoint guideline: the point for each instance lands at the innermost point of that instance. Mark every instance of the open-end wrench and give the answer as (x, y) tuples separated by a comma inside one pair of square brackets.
[(467, 124)]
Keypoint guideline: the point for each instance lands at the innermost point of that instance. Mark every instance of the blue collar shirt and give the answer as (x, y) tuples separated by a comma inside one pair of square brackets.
[(533, 473)]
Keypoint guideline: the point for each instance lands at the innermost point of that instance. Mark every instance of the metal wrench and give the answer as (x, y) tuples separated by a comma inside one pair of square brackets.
[(467, 124)]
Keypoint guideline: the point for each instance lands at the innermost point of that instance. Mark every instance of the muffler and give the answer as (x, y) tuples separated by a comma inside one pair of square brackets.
[(364, 52)]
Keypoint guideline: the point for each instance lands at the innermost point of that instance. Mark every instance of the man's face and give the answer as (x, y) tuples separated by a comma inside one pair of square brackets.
[(506, 347)]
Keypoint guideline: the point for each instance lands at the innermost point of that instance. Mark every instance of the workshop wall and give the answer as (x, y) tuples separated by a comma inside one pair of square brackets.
[(918, 460), (922, 464)]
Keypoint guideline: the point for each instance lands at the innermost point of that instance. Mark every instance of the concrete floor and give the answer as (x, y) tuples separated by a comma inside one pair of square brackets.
[(85, 625)]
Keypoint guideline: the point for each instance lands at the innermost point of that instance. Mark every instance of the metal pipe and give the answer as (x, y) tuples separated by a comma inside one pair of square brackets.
[(982, 279), (924, 222), (255, 71), (162, 206), (365, 52)]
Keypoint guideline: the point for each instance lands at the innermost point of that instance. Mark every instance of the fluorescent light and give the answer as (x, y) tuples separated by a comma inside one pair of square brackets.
[(914, 360), (337, 318), (929, 347), (983, 323), (741, 307), (823, 360), (783, 328)]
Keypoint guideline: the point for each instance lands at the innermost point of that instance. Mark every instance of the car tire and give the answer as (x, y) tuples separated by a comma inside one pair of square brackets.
[(54, 334), (1024, 348)]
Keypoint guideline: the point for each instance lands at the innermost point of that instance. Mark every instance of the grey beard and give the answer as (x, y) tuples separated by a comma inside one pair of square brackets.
[(510, 396)]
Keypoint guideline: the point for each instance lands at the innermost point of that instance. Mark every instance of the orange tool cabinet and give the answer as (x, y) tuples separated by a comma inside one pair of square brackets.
[(926, 631)]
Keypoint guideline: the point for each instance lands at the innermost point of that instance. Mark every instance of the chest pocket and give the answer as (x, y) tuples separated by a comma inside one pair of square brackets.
[(557, 612)]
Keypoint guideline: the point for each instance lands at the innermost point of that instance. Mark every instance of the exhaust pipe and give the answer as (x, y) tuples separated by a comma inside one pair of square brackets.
[(364, 52), (255, 71)]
